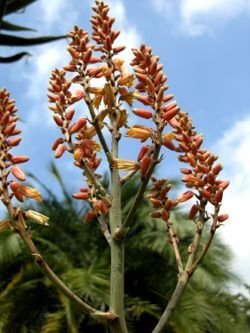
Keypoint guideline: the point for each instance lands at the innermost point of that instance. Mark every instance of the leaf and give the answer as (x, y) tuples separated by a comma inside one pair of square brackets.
[(9, 40), (16, 5), (13, 58), (5, 25)]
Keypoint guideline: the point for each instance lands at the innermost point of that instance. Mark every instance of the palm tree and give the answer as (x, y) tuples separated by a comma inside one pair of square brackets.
[(79, 255), (8, 7)]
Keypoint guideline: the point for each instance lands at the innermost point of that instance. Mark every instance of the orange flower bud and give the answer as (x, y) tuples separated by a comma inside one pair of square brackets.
[(9, 129), (143, 113), (185, 171), (14, 141), (155, 202), (156, 214), (169, 144), (17, 172), (218, 195), (167, 116), (70, 114), (56, 143), (165, 215), (206, 194), (167, 98), (87, 56), (223, 184), (58, 120), (169, 106), (193, 211), (72, 52), (80, 196), (223, 217), (77, 96), (185, 196), (143, 99), (119, 49), (84, 189), (19, 159), (145, 164), (217, 169), (79, 124), (143, 152), (59, 151), (78, 154), (89, 216)]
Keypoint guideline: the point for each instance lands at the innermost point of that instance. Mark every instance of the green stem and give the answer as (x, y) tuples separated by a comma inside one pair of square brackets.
[(181, 285), (117, 247)]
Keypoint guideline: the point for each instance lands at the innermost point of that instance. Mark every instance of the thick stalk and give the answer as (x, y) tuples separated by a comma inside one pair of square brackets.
[(117, 247), (162, 323)]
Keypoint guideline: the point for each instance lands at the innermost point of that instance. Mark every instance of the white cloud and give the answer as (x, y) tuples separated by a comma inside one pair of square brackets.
[(233, 149), (129, 35), (196, 17)]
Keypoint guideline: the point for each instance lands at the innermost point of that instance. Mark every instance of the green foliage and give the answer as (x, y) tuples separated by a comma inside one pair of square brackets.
[(8, 7), (78, 253)]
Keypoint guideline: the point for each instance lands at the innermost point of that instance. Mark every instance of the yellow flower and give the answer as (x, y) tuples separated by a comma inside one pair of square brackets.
[(37, 217), (125, 165), (139, 132), (29, 192)]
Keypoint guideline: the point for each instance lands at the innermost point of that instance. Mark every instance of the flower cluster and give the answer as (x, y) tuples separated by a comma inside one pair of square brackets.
[(9, 163), (202, 173)]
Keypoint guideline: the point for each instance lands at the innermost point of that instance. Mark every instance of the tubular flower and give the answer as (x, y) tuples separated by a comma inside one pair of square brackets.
[(139, 132), (125, 165), (37, 217), (21, 191)]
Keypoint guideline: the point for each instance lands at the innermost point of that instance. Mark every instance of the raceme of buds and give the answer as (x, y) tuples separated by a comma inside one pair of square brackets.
[(9, 162), (202, 173), (159, 199)]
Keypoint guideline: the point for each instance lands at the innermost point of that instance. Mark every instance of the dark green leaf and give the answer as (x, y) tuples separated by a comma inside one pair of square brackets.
[(9, 40), (5, 25), (16, 57), (15, 5)]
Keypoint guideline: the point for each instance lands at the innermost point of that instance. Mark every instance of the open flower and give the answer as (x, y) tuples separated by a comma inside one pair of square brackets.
[(125, 165), (37, 217), (139, 132)]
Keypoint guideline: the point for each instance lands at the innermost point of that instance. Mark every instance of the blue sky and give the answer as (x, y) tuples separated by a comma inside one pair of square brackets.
[(204, 46)]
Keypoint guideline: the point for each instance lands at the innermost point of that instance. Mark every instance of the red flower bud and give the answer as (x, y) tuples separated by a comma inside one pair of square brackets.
[(56, 143), (87, 56), (60, 149), (119, 48), (218, 195), (169, 144), (79, 124), (143, 152), (185, 196), (19, 159), (167, 116), (155, 202), (223, 217), (81, 196), (169, 106), (144, 164), (14, 141), (193, 211), (58, 120), (156, 214), (89, 216), (143, 113), (17, 172)]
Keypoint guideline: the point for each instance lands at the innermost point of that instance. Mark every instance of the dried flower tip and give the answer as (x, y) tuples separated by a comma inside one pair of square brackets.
[(125, 165), (19, 159), (60, 149), (223, 217), (81, 196), (4, 225), (139, 132), (143, 113), (37, 217), (17, 172), (26, 191)]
